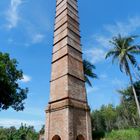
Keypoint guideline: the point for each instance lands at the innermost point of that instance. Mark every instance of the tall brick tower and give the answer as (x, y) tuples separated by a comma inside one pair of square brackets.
[(68, 114)]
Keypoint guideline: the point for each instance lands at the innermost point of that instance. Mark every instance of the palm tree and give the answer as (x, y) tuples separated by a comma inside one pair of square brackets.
[(124, 51), (88, 71)]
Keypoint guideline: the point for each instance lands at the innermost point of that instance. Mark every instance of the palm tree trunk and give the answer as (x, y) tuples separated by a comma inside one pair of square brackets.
[(135, 95)]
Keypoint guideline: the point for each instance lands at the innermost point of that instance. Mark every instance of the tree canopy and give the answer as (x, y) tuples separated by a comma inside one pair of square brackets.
[(11, 94), (23, 133)]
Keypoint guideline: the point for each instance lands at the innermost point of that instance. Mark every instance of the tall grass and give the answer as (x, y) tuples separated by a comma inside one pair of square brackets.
[(130, 134)]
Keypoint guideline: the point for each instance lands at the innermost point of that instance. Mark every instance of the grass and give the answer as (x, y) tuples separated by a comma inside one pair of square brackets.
[(130, 134)]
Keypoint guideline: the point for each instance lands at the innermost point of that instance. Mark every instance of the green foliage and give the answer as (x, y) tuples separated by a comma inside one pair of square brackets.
[(127, 109), (123, 116), (109, 118), (104, 119), (131, 134), (124, 51), (12, 95), (23, 133), (127, 93), (88, 71)]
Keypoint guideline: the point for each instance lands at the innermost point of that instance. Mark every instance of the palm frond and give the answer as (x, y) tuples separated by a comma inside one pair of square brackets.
[(87, 64), (135, 49), (132, 60), (115, 57), (110, 53), (88, 81), (123, 51), (130, 39), (126, 67), (121, 64), (88, 71)]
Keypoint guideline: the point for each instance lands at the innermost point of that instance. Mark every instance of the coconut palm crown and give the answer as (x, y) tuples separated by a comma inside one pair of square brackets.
[(124, 51)]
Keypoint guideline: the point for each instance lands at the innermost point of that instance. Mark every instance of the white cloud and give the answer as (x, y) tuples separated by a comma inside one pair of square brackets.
[(10, 40), (124, 28), (119, 83), (103, 76), (95, 55), (127, 27), (37, 38), (92, 89), (103, 41), (12, 14), (6, 122), (32, 111), (26, 79)]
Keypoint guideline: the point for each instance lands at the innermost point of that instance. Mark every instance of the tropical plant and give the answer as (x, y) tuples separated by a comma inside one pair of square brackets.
[(124, 51), (88, 71)]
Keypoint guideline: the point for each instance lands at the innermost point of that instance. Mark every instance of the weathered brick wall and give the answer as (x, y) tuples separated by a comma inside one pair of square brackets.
[(68, 123), (67, 114), (58, 124)]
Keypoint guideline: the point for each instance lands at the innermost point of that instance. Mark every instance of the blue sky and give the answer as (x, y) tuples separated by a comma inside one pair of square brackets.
[(26, 32)]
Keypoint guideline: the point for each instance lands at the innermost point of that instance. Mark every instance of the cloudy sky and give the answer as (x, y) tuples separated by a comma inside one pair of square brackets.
[(26, 32)]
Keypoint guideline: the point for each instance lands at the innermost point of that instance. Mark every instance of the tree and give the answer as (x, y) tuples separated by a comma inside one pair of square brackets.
[(11, 94), (109, 114), (105, 118), (128, 103), (98, 122), (23, 133), (124, 51), (88, 71), (127, 93), (27, 133)]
